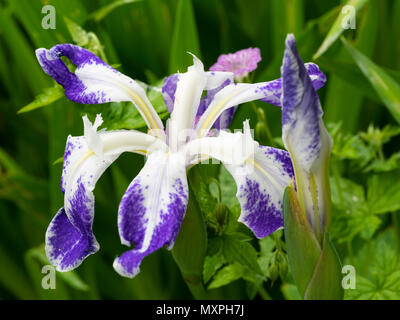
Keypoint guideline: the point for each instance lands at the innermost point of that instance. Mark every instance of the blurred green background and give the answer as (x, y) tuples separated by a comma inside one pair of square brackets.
[(149, 39)]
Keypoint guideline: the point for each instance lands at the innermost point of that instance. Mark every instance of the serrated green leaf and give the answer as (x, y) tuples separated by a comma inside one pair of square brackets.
[(351, 215), (48, 96), (236, 250), (212, 264), (377, 268), (337, 29), (226, 275), (384, 192), (386, 87)]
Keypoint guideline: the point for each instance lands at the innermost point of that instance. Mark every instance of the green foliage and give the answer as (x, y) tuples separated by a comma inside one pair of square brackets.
[(378, 275), (149, 39), (386, 87)]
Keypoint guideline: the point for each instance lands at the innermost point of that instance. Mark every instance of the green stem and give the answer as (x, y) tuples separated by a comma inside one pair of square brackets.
[(197, 289), (350, 252), (190, 246), (264, 294)]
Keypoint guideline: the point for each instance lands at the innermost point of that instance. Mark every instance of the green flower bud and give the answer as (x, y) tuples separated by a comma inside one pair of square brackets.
[(283, 268), (220, 213), (273, 272)]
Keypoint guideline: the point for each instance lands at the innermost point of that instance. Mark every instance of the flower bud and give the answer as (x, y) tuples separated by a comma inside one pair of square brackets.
[(273, 272), (220, 213)]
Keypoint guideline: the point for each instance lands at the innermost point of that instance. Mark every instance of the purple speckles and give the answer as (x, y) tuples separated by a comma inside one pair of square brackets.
[(261, 215), (273, 89), (131, 215), (75, 89), (168, 91), (162, 231), (282, 157), (66, 245), (152, 210)]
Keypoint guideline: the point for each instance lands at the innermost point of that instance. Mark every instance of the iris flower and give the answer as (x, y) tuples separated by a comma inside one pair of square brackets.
[(306, 138), (154, 205)]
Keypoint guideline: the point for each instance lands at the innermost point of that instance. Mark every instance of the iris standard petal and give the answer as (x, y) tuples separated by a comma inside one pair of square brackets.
[(226, 117), (305, 136), (230, 96), (237, 93), (95, 82), (273, 89), (168, 91), (152, 209)]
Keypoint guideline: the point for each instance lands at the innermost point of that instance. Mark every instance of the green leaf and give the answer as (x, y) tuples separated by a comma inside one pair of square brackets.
[(48, 96), (302, 246), (214, 260), (71, 277), (349, 146), (236, 250), (206, 201), (384, 192), (184, 39), (228, 188), (337, 29), (290, 292), (351, 215), (226, 275), (326, 282), (79, 35), (101, 13), (377, 268), (385, 86), (192, 237)]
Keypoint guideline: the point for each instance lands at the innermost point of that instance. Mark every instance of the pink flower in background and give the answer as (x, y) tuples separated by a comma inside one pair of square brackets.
[(240, 63)]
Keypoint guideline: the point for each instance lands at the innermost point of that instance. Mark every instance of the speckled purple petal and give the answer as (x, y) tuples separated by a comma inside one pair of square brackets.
[(273, 89), (261, 182), (75, 89), (152, 209), (94, 81), (66, 245), (81, 170)]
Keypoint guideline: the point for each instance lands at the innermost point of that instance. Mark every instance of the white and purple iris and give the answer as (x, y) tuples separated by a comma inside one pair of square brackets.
[(154, 205), (306, 138)]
